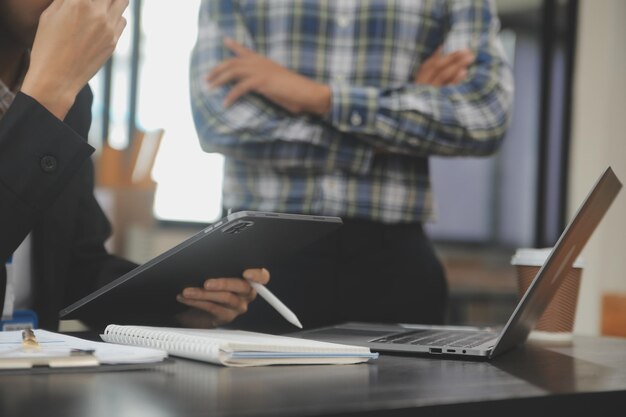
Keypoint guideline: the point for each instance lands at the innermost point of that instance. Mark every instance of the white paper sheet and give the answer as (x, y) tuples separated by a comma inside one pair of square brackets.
[(56, 344)]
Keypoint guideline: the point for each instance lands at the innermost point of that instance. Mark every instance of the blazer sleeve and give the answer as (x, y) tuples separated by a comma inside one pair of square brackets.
[(38, 155)]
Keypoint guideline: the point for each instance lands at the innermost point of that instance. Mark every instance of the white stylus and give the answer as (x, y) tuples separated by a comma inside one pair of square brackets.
[(276, 303)]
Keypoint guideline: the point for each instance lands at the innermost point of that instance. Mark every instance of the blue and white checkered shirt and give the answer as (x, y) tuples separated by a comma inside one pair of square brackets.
[(368, 52)]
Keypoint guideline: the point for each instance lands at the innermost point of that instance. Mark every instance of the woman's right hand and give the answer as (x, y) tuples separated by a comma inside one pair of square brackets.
[(74, 39)]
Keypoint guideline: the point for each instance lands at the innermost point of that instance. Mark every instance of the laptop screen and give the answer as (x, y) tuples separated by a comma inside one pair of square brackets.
[(560, 260)]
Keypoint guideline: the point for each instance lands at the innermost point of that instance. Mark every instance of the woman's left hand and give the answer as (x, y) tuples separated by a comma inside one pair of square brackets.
[(220, 300)]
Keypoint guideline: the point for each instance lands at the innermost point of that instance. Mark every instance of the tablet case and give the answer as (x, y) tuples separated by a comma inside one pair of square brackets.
[(242, 240)]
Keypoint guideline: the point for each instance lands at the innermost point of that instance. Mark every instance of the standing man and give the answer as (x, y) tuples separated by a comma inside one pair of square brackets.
[(333, 108), (52, 230)]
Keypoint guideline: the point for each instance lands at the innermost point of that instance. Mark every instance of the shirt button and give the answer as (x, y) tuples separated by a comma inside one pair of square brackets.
[(333, 187), (356, 119), (48, 164), (343, 21)]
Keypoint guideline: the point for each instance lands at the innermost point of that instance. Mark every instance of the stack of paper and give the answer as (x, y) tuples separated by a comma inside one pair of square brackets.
[(58, 350)]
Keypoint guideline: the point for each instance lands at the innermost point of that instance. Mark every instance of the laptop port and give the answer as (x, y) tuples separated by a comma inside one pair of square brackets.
[(435, 350), (450, 350)]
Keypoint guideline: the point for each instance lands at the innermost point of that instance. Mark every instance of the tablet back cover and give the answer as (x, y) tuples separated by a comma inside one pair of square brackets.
[(242, 240)]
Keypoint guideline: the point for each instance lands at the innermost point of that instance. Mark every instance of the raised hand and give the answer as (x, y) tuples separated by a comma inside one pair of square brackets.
[(74, 39)]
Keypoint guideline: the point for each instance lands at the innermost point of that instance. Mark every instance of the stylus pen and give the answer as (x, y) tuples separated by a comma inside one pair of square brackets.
[(276, 303)]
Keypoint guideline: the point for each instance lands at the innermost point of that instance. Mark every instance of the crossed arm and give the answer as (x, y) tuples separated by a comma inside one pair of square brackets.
[(250, 72), (456, 104)]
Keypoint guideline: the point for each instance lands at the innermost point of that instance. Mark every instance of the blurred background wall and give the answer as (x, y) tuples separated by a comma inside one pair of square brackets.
[(598, 140)]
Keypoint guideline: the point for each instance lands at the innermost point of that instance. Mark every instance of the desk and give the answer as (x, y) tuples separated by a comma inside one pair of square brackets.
[(586, 378)]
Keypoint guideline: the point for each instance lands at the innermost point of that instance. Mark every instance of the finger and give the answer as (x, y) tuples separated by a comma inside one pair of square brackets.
[(234, 75), (462, 57), (119, 29), (237, 48), (233, 71), (425, 73), (460, 77), (260, 275), (240, 89), (447, 74), (117, 7), (220, 313), (221, 79), (218, 69), (234, 285), (443, 70), (223, 298), (446, 68)]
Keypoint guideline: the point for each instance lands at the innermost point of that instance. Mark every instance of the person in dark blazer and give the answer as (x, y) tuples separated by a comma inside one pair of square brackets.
[(48, 52)]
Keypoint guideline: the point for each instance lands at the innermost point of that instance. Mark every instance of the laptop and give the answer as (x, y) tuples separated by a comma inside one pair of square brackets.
[(483, 342)]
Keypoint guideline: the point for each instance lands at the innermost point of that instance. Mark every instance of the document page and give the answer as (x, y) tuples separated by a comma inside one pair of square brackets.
[(55, 344)]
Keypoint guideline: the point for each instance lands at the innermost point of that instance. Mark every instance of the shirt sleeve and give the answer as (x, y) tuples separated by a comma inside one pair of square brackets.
[(465, 119), (254, 129)]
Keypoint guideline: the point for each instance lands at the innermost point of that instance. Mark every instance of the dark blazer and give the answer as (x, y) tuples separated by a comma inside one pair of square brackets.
[(46, 187)]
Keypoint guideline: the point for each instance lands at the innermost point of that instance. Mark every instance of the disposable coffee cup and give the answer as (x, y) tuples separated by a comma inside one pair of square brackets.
[(557, 321)]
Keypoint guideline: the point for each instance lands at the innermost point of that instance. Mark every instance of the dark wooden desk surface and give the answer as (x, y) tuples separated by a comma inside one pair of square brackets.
[(586, 378)]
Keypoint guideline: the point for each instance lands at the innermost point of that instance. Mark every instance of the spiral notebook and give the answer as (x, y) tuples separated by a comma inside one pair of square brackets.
[(235, 347)]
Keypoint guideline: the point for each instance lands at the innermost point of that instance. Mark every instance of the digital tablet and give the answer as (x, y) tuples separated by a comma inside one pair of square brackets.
[(246, 239)]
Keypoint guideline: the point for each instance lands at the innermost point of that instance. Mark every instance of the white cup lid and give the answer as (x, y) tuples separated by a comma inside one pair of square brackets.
[(537, 257)]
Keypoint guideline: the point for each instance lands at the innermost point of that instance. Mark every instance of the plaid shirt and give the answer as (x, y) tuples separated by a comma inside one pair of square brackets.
[(368, 52)]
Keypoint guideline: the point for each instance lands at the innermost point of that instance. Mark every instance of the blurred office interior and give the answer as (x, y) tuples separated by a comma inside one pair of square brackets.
[(158, 187)]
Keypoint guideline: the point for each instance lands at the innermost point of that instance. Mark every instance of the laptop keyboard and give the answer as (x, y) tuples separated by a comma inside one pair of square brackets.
[(461, 339)]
